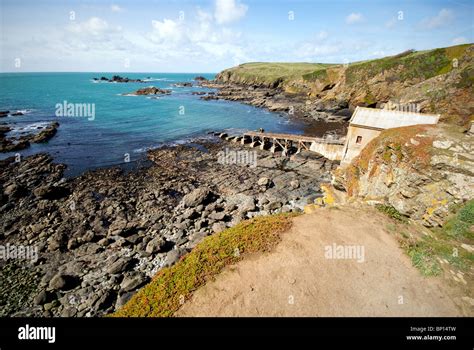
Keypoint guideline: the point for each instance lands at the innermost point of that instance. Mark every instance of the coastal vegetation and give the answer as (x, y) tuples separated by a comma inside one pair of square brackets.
[(439, 250), (271, 74), (172, 286)]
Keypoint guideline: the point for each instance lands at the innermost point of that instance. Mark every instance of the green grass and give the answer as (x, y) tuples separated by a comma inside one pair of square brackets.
[(272, 73), (459, 226), (391, 212), (423, 64), (423, 258), (467, 78), (444, 243), (320, 74), (416, 64), (164, 295)]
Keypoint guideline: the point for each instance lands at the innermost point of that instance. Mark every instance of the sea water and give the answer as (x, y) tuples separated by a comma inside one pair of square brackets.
[(124, 126)]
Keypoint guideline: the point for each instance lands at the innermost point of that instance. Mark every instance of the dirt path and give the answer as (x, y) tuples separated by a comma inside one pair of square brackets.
[(297, 279)]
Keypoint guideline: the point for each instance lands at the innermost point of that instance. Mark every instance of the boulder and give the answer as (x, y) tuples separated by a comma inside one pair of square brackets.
[(172, 257), (264, 182), (132, 282), (51, 192), (243, 202), (15, 191), (63, 282), (198, 196), (294, 184), (155, 245), (218, 216), (122, 264), (42, 298), (218, 227)]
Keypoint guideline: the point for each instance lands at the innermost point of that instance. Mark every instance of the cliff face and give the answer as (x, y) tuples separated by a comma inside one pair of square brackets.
[(434, 81), (421, 171)]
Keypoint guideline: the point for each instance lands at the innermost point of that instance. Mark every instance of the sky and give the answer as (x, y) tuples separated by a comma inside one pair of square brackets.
[(211, 35)]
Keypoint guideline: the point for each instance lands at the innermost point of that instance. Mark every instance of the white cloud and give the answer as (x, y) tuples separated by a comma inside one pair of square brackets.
[(354, 18), (94, 26), (228, 11), (116, 8), (443, 18), (166, 31), (459, 40), (201, 39)]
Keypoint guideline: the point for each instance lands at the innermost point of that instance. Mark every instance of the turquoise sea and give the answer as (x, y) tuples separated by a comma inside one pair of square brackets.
[(122, 124)]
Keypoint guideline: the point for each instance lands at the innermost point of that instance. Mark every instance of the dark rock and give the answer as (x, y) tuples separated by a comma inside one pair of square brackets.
[(45, 134), (122, 264), (42, 298), (184, 84), (51, 192), (218, 216), (132, 282), (68, 312), (155, 245), (63, 282), (152, 91), (119, 79), (15, 191), (123, 299), (72, 244), (57, 241), (105, 301), (172, 257)]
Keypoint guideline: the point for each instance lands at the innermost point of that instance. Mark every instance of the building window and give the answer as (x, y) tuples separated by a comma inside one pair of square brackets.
[(359, 140)]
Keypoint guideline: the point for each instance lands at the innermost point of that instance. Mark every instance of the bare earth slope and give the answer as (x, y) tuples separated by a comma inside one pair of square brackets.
[(297, 280)]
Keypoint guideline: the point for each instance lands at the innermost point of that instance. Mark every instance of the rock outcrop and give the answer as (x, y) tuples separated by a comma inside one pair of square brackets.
[(421, 171), (119, 79), (151, 90), (11, 144)]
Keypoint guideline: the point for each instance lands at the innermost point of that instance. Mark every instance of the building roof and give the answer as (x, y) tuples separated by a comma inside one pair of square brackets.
[(387, 119)]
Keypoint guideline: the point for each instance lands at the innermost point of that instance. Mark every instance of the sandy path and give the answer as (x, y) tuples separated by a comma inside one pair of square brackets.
[(298, 280)]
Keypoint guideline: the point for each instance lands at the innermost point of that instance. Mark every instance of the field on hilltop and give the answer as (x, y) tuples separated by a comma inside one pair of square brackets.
[(431, 81)]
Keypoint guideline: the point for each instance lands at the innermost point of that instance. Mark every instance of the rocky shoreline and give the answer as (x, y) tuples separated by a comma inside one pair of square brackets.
[(276, 100), (104, 234), (10, 144)]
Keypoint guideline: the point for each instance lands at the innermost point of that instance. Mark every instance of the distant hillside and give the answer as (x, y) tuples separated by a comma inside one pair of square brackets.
[(437, 81), (270, 74)]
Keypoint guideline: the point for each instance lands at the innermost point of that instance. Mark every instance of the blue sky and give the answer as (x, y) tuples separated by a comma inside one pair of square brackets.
[(211, 35)]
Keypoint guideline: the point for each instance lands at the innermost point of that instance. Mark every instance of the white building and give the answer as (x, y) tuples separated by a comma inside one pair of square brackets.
[(367, 123)]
